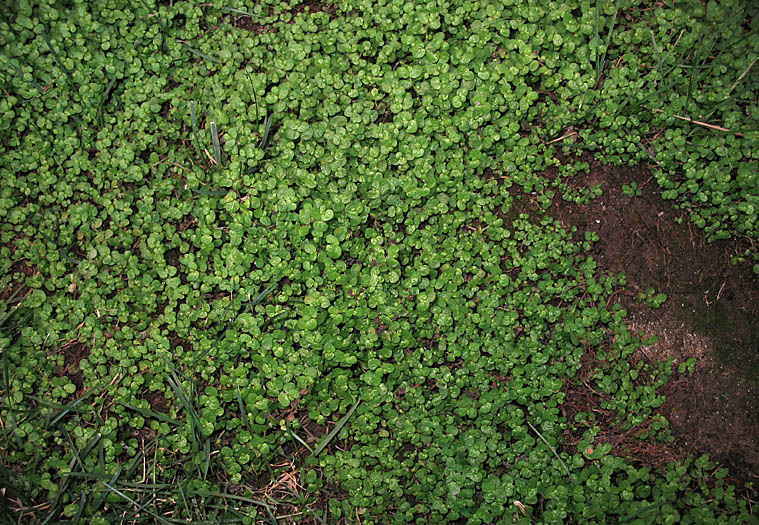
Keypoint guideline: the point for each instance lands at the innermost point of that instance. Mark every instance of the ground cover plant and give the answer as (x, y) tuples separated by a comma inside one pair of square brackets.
[(272, 262)]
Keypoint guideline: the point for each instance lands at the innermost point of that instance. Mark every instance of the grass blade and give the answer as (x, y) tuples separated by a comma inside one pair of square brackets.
[(272, 517), (597, 42), (210, 192), (69, 407), (78, 458), (80, 509), (194, 122), (738, 81), (200, 442), (639, 104), (209, 494), (200, 53), (130, 500), (101, 497), (340, 424), (103, 101), (554, 452), (255, 98), (267, 129), (236, 11), (206, 455), (58, 60), (299, 439), (184, 400), (656, 51), (608, 40), (138, 459), (263, 295), (243, 412), (216, 145), (150, 413), (10, 490), (184, 502), (11, 423), (640, 511), (21, 73)]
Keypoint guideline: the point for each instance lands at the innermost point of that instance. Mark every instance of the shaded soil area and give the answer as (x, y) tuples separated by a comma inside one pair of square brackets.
[(73, 352), (249, 23), (711, 315)]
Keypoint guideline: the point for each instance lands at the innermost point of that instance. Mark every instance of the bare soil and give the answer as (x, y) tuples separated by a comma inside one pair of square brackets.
[(711, 315)]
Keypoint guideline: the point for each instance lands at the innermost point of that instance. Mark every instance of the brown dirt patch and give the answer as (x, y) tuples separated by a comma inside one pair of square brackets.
[(157, 400), (711, 313), (73, 353), (249, 23)]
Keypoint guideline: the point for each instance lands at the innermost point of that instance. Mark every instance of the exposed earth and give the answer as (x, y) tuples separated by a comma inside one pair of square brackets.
[(711, 315)]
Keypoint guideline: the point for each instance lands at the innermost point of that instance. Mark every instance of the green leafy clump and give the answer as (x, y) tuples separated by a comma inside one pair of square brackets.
[(632, 190), (651, 298), (272, 257)]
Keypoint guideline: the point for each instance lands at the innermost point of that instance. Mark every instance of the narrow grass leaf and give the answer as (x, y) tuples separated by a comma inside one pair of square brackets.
[(728, 100), (78, 458), (669, 54), (317, 515), (11, 423), (133, 502), (656, 51), (210, 192), (624, 109), (742, 75), (194, 122), (264, 294), (104, 100), (9, 489), (216, 144), (156, 18), (554, 452), (267, 129), (80, 509), (6, 315), (639, 512), (58, 60), (138, 459), (211, 494), (184, 502), (255, 98), (596, 40), (236, 11), (243, 412), (608, 40), (340, 424), (200, 53), (219, 335), (150, 413), (300, 440), (206, 455), (21, 74), (71, 406), (200, 443), (272, 517), (101, 456), (101, 498), (183, 398), (86, 475)]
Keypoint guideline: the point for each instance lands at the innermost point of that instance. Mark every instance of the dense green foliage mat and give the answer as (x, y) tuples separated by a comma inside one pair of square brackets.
[(232, 233)]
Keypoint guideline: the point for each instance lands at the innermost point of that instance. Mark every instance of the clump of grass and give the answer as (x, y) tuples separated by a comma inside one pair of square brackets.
[(601, 57)]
